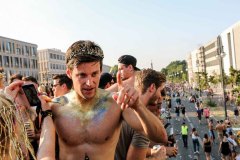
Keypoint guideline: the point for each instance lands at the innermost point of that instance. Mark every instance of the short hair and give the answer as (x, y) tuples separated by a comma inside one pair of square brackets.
[(15, 76), (206, 136), (30, 78), (63, 79), (146, 77), (105, 79), (82, 52)]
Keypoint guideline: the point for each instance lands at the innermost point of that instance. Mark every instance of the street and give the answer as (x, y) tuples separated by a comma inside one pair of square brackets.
[(191, 121)]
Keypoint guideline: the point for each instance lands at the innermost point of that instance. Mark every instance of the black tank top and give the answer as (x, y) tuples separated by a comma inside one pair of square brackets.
[(225, 148)]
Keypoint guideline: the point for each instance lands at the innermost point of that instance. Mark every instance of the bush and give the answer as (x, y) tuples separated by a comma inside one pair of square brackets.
[(238, 101), (210, 103)]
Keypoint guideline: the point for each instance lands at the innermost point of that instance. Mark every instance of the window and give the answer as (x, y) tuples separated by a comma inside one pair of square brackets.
[(16, 60), (8, 47), (11, 60), (6, 61), (3, 46), (13, 48), (23, 50), (25, 63), (26, 50), (57, 56), (34, 53), (18, 51), (51, 55), (0, 61)]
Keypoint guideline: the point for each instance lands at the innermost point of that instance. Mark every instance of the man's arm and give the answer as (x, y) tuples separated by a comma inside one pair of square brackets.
[(46, 149), (136, 153), (143, 121)]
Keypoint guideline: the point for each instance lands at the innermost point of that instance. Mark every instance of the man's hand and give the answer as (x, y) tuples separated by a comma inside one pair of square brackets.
[(172, 151), (159, 153), (127, 96), (13, 89)]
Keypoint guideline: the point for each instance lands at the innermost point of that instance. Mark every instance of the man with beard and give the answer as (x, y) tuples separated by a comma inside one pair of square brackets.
[(131, 144), (88, 120)]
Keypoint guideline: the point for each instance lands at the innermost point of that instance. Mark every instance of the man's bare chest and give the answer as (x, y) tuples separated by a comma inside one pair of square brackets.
[(96, 126)]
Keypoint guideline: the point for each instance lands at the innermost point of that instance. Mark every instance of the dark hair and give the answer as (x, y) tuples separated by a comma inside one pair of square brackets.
[(82, 52), (15, 76), (147, 77), (230, 133), (105, 79), (64, 79), (206, 136), (30, 78), (194, 129)]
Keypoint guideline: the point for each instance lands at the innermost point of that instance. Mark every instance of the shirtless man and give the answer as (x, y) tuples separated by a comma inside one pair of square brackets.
[(219, 129), (88, 120), (127, 68), (211, 128)]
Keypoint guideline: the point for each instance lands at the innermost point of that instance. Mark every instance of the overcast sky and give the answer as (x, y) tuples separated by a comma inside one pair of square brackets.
[(157, 30)]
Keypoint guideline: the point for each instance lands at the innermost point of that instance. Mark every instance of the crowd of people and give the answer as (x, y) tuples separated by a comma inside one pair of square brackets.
[(226, 141), (87, 114)]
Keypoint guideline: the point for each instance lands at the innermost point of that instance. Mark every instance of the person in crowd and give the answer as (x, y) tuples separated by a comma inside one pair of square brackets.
[(207, 146), (62, 85), (206, 113), (106, 80), (15, 77), (236, 114), (42, 90), (127, 68), (233, 144), (184, 131), (14, 142), (211, 130), (31, 116), (224, 148), (2, 79), (183, 109), (177, 111), (81, 117), (199, 113), (219, 129), (31, 80), (131, 144), (195, 141)]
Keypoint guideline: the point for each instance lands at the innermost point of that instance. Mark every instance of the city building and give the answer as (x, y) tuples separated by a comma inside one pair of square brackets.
[(220, 53), (18, 57), (51, 62)]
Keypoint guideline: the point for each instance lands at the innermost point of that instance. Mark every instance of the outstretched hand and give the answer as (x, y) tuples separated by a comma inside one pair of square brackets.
[(126, 96)]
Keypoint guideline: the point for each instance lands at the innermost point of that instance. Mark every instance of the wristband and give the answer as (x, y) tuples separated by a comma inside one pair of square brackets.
[(46, 113)]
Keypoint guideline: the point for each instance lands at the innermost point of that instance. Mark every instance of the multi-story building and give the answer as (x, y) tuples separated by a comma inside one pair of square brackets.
[(219, 54), (18, 57), (51, 62)]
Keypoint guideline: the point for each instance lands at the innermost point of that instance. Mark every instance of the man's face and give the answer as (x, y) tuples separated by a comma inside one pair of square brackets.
[(125, 71), (57, 88), (154, 103), (85, 77)]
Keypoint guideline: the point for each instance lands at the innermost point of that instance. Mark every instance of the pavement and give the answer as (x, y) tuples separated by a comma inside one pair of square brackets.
[(191, 121)]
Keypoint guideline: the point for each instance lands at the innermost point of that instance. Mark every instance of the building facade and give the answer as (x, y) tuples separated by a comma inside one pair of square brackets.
[(218, 54), (18, 57), (51, 62)]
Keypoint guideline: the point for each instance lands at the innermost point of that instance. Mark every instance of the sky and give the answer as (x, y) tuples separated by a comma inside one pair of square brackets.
[(160, 31)]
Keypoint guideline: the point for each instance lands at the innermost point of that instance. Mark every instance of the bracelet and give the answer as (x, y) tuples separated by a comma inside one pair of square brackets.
[(46, 113)]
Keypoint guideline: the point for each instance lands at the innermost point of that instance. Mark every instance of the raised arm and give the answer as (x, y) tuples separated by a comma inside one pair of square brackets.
[(46, 149)]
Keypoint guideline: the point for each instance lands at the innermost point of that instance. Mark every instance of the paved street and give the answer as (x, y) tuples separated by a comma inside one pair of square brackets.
[(191, 121)]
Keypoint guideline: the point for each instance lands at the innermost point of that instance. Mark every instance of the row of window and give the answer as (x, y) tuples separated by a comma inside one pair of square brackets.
[(18, 62), (18, 49), (58, 66), (56, 56)]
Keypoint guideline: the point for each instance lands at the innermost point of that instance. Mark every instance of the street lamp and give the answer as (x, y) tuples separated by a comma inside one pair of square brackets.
[(220, 55), (197, 65)]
